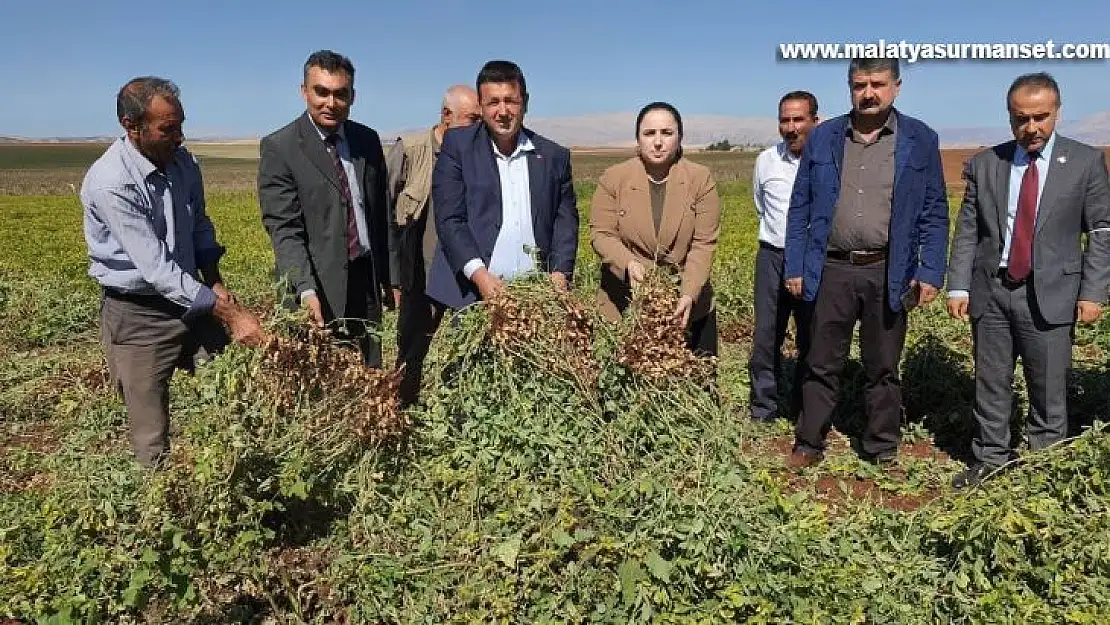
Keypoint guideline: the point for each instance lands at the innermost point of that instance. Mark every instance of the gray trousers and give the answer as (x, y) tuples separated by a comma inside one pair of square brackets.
[(1009, 327), (145, 341)]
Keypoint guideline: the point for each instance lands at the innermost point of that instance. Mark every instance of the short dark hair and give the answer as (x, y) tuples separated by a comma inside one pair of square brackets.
[(501, 72), (873, 65), (801, 95), (134, 98), (330, 62), (1036, 80), (659, 106)]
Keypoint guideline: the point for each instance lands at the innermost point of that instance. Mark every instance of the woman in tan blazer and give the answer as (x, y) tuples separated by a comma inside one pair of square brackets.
[(658, 208)]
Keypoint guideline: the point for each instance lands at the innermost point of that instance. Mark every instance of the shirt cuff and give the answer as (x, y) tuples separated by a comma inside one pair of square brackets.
[(203, 304), (472, 266), (305, 294), (959, 293)]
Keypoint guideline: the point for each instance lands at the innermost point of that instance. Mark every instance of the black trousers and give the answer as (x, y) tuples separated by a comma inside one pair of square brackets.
[(417, 321), (363, 322), (701, 335), (850, 293), (773, 307)]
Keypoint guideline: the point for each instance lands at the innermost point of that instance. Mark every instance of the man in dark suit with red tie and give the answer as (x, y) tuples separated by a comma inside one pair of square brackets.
[(322, 186), (1019, 270)]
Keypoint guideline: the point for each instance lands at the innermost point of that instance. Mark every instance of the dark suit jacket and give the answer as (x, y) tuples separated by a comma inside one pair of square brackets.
[(466, 192), (304, 212), (1075, 200), (918, 237)]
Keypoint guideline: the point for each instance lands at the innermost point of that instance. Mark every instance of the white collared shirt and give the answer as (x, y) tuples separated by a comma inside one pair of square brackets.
[(772, 184), (511, 256)]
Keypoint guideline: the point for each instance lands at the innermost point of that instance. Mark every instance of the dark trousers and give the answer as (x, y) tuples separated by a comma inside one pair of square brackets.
[(363, 322), (701, 335), (1011, 326), (144, 341), (773, 307), (417, 321), (849, 293)]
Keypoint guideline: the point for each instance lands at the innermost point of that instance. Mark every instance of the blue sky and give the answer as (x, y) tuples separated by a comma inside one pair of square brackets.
[(239, 62)]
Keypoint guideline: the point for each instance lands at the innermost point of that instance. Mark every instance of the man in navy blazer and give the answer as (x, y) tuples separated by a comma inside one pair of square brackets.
[(504, 199), (866, 239)]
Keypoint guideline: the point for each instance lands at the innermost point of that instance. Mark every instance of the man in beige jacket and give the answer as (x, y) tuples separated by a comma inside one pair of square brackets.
[(410, 162)]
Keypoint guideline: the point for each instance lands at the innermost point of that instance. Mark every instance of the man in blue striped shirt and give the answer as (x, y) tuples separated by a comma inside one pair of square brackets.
[(153, 250)]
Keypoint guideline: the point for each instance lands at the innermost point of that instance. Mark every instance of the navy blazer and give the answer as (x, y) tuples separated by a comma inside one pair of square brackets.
[(918, 236), (466, 200)]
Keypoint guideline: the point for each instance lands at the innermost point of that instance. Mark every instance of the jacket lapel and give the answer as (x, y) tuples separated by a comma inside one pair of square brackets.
[(1002, 168), (537, 177), (313, 148), (484, 154), (637, 199), (1052, 185), (358, 159), (904, 141), (837, 146), (675, 206)]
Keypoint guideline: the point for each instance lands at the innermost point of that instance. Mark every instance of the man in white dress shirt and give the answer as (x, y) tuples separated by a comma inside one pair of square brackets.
[(504, 199), (772, 183)]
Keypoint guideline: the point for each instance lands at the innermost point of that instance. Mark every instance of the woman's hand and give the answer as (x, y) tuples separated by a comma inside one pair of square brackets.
[(682, 311), (635, 273)]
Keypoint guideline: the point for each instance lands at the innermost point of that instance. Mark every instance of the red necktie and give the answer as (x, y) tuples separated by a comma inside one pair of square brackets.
[(353, 247), (1021, 244)]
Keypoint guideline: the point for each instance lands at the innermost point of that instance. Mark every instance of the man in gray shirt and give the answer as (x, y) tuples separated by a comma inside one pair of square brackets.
[(153, 250), (862, 217), (866, 241)]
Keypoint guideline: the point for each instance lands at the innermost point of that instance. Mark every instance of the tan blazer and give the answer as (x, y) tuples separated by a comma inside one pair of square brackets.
[(622, 230)]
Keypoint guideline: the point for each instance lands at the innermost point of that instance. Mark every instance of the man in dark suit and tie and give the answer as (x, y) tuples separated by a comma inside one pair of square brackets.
[(1019, 270), (504, 199), (866, 239), (322, 187)]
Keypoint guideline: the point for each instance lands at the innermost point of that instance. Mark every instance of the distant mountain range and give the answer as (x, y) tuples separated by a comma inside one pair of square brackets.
[(617, 130), (612, 130), (13, 139)]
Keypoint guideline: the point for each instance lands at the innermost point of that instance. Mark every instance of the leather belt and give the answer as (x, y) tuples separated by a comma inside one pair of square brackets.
[(156, 302), (858, 257)]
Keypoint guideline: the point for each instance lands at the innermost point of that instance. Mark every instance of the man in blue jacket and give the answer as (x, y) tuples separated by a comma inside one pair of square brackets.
[(866, 240), (504, 199)]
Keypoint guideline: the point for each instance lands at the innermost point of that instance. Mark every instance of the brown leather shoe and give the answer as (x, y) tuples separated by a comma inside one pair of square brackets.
[(800, 459)]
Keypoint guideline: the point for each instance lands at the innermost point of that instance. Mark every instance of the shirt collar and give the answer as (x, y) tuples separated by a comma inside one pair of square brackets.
[(324, 135), (436, 143), (523, 144), (132, 153), (1021, 157), (890, 126)]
